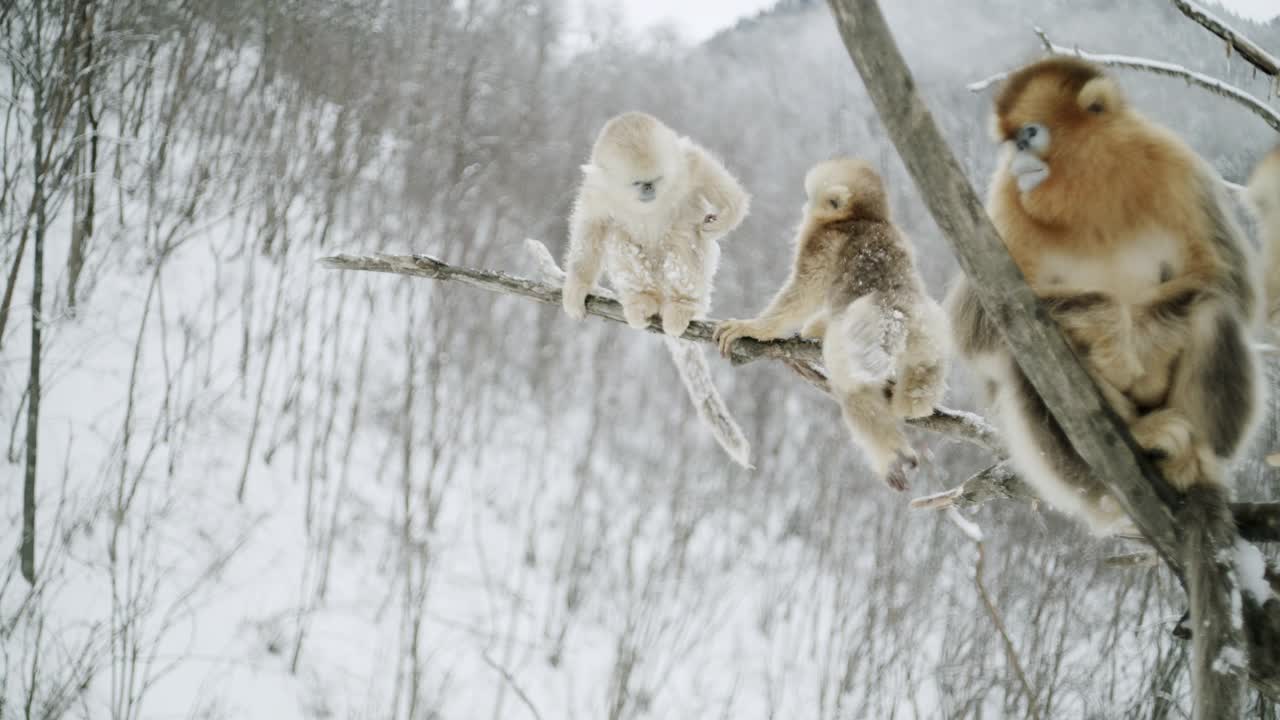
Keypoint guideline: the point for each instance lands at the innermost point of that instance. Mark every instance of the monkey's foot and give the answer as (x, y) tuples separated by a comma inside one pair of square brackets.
[(637, 309), (1169, 439), (676, 318), (728, 331), (902, 466)]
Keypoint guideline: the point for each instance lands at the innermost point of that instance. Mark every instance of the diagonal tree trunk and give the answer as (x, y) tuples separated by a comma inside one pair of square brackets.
[(1198, 546)]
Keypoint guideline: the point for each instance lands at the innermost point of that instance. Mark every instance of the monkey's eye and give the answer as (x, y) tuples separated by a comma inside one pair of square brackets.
[(833, 203)]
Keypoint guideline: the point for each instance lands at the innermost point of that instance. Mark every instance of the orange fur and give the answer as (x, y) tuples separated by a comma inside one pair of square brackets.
[(1150, 174), (1116, 179), (1122, 231), (854, 284)]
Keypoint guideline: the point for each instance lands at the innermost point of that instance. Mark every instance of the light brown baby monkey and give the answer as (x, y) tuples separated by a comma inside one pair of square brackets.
[(854, 285)]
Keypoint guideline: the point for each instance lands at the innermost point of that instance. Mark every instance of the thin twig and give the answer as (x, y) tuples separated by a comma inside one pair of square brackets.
[(511, 681), (1191, 77), (1256, 521), (999, 481), (1141, 559), (975, 534), (1241, 45)]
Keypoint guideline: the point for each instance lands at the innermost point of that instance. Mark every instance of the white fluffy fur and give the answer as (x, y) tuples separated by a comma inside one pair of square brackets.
[(660, 253)]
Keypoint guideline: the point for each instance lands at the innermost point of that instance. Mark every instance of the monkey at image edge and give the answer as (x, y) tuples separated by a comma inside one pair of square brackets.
[(1123, 232)]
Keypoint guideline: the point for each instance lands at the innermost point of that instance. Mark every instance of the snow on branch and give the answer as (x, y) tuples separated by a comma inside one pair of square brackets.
[(802, 356), (1241, 45), (1200, 80)]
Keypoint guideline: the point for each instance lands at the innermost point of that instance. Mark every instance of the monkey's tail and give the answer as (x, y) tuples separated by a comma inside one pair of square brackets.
[(696, 374), (690, 363)]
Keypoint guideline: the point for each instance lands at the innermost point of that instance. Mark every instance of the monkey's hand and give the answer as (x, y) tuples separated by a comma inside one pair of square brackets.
[(638, 307), (1170, 440), (728, 331), (714, 224), (574, 299)]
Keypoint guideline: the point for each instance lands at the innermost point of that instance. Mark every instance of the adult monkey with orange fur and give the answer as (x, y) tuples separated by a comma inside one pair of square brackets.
[(854, 284), (1123, 232)]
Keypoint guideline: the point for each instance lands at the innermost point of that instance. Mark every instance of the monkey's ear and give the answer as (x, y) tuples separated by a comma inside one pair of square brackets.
[(1100, 95), (835, 197)]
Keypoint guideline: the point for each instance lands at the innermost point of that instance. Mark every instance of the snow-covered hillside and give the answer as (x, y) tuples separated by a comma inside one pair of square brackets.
[(270, 490)]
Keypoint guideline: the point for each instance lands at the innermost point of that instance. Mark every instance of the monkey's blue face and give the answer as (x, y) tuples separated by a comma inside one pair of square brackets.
[(1032, 137), (647, 190), (1030, 144)]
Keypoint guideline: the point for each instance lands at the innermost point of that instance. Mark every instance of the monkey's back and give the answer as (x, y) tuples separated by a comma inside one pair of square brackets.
[(872, 257)]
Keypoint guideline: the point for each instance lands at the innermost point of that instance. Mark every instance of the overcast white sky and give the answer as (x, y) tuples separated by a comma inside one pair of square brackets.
[(698, 19)]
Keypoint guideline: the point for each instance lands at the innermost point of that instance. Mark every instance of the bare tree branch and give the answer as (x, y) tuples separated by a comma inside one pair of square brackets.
[(511, 682), (802, 356), (1143, 559), (998, 482), (974, 533), (1243, 46), (1200, 80), (1258, 522)]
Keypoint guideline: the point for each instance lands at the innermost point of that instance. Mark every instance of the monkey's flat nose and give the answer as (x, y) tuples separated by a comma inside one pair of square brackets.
[(1025, 135)]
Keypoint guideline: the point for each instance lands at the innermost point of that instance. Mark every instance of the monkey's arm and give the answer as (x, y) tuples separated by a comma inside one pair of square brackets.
[(1210, 311), (583, 259), (1218, 267), (799, 299), (729, 202)]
